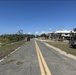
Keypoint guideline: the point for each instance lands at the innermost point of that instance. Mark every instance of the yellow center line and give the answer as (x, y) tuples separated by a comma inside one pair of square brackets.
[(42, 61)]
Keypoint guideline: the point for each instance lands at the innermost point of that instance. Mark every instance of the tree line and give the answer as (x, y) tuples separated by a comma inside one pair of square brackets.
[(43, 35), (16, 37)]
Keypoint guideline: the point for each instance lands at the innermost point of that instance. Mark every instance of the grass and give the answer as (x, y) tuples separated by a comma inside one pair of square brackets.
[(64, 46), (0, 45), (6, 49), (4, 40), (19, 62)]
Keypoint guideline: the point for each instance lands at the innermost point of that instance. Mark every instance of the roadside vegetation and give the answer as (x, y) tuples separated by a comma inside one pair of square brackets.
[(64, 46), (10, 42), (6, 49)]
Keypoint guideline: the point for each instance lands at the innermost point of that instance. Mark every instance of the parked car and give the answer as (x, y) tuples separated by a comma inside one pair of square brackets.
[(72, 41)]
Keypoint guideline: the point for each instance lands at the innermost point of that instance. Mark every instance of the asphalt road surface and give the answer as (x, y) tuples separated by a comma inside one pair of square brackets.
[(35, 58)]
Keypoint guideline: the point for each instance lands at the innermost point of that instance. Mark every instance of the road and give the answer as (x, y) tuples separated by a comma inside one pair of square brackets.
[(35, 58)]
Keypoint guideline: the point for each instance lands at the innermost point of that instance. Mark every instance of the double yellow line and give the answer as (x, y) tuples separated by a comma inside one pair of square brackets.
[(43, 66)]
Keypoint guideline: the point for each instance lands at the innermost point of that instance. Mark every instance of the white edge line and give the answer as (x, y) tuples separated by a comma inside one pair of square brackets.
[(1, 60), (60, 51), (15, 50), (10, 54)]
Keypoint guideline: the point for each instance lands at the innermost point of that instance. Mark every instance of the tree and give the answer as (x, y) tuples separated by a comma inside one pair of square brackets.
[(44, 35), (37, 36), (20, 32)]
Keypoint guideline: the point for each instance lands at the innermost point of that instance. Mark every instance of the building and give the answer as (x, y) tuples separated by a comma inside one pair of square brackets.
[(60, 35)]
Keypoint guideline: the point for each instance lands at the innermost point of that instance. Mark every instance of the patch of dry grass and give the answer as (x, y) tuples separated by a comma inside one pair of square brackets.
[(4, 40), (19, 62), (6, 49), (63, 46)]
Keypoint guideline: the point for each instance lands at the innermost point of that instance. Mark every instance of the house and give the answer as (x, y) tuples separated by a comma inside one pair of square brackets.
[(60, 35)]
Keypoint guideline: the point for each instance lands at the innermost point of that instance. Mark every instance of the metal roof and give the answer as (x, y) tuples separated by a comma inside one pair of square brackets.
[(63, 31)]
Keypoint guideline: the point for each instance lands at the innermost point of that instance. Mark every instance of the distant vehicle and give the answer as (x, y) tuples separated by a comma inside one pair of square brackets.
[(72, 41), (28, 38)]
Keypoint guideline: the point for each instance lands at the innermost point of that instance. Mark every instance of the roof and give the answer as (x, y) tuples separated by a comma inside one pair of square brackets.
[(63, 31)]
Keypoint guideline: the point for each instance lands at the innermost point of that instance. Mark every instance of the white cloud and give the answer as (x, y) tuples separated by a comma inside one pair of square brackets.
[(36, 32), (29, 33), (46, 32), (43, 32)]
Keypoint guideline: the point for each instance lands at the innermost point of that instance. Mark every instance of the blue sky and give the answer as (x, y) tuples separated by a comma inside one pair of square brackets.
[(36, 16)]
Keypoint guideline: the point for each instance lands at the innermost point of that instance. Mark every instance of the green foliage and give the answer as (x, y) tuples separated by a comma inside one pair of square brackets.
[(44, 35), (14, 37), (37, 36)]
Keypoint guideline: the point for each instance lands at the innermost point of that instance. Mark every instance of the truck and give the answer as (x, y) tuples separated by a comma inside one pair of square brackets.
[(72, 41)]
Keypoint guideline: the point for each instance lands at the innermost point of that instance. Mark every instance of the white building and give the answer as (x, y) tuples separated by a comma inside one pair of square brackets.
[(62, 34)]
